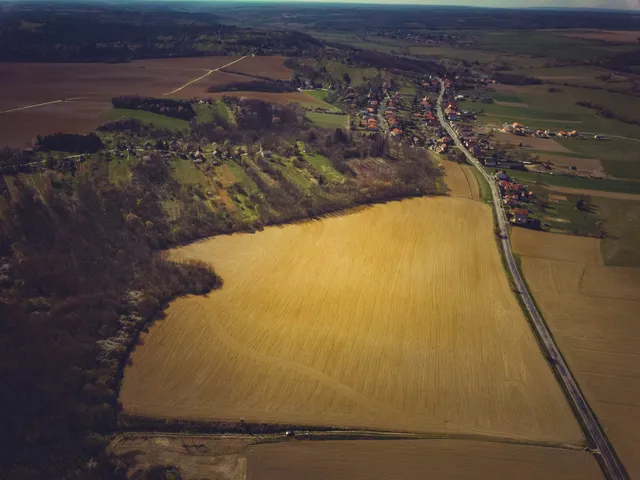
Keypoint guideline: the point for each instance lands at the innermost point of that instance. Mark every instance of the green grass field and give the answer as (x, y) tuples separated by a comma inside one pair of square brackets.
[(614, 149), (319, 94), (295, 175), (621, 218), (186, 173), (324, 166), (337, 70), (505, 97), (485, 189), (563, 216), (622, 186), (120, 169), (544, 44), (160, 121), (206, 113), (242, 178), (327, 120), (559, 110)]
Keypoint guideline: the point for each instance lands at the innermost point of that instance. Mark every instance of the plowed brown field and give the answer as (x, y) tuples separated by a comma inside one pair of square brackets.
[(416, 459), (593, 312), (399, 316), (268, 67), (84, 90)]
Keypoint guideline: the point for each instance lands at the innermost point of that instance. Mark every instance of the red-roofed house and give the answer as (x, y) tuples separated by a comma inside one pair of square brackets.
[(521, 216)]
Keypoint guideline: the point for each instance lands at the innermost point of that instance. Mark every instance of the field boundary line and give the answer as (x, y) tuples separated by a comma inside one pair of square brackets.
[(32, 106), (209, 72), (333, 434)]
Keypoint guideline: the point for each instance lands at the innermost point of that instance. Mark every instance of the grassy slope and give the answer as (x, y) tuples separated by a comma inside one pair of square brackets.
[(323, 165), (120, 169), (160, 121), (207, 113), (319, 94), (327, 120)]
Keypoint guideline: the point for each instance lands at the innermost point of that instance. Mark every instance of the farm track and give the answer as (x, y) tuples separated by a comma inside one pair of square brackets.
[(347, 434), (27, 107), (209, 72), (607, 458)]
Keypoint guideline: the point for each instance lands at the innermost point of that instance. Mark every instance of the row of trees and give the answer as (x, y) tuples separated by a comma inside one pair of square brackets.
[(70, 142), (164, 106), (78, 280), (254, 86)]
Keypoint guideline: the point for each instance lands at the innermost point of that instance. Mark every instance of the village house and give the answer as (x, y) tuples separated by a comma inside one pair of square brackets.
[(520, 216)]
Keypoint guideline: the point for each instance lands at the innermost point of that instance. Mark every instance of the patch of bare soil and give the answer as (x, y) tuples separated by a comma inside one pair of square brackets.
[(197, 457)]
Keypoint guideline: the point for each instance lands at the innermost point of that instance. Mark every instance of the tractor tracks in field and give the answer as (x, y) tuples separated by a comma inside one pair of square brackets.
[(308, 372)]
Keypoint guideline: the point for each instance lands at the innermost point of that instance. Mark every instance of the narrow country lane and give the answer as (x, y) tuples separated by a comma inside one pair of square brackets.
[(597, 438)]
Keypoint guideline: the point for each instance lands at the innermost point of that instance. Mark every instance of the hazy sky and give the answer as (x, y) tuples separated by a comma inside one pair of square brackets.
[(618, 4)]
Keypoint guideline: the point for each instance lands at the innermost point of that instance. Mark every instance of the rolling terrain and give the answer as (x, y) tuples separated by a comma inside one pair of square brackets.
[(346, 322)]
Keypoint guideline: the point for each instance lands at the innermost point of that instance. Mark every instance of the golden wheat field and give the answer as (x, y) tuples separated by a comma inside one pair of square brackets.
[(460, 180), (593, 312), (399, 316), (416, 459)]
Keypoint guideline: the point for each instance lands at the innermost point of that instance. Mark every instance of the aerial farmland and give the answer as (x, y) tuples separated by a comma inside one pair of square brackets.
[(326, 322)]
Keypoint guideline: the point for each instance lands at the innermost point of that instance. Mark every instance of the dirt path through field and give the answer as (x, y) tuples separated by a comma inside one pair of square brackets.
[(27, 107), (203, 76)]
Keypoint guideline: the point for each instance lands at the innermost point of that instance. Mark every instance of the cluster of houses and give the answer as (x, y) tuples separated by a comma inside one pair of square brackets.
[(391, 117), (369, 115), (513, 195), (520, 130), (427, 112)]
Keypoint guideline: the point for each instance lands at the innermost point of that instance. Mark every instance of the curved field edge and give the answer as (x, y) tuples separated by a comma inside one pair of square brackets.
[(269, 392)]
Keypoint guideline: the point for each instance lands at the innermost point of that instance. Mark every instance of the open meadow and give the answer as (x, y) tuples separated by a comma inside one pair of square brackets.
[(592, 310), (392, 317)]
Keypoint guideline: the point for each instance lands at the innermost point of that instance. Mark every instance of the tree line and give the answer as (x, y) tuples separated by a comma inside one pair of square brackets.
[(182, 109)]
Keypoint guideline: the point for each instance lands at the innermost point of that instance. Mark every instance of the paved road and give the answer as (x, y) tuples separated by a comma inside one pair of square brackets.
[(600, 446)]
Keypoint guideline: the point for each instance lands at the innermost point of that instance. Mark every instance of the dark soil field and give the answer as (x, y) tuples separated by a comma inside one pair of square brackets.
[(268, 67), (78, 95), (411, 459)]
